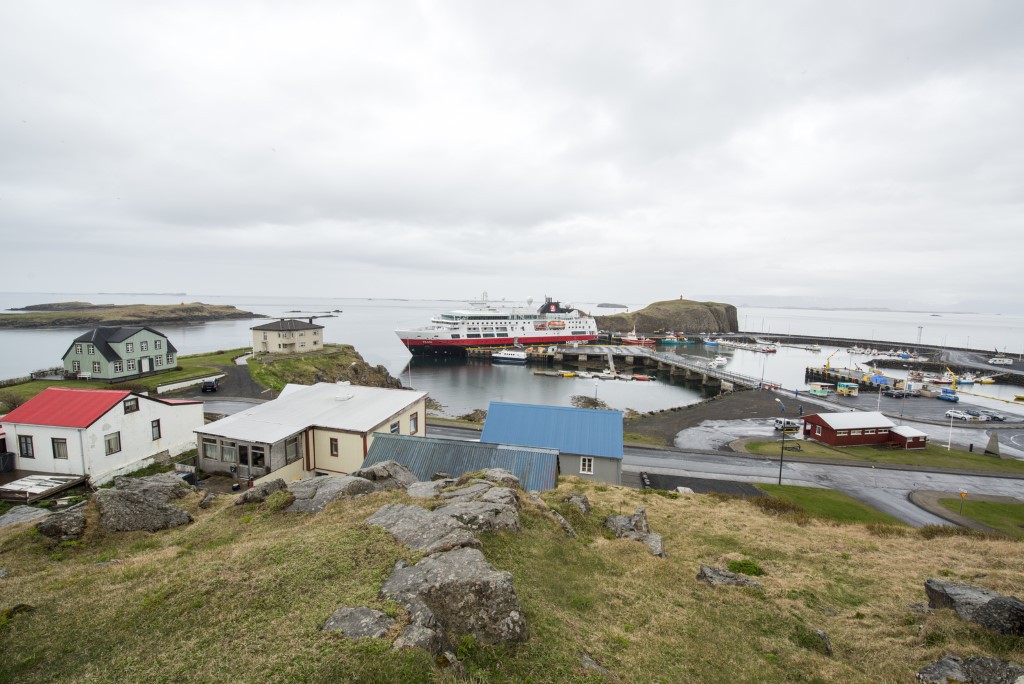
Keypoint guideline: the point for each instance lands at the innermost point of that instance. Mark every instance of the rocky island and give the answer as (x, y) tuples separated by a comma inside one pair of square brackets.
[(679, 315), (84, 314)]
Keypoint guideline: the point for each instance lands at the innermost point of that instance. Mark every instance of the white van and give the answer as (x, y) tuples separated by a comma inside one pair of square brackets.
[(1001, 361), (787, 424)]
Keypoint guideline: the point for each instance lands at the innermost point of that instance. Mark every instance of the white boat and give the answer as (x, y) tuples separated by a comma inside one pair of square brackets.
[(718, 361), (509, 356), (491, 324)]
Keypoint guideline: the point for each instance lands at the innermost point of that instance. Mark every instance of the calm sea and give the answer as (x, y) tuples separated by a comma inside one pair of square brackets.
[(464, 385)]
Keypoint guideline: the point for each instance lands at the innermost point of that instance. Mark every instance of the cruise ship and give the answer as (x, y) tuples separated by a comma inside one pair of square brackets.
[(487, 324)]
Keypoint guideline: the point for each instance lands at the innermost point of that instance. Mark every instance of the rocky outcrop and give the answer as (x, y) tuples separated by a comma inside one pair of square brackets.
[(718, 577), (638, 528), (423, 530), (387, 475), (675, 314), (990, 609), (20, 514), (428, 490), (502, 478), (482, 515), (976, 669), (313, 495), (260, 492), (67, 525), (127, 511), (580, 502), (356, 623), (162, 487)]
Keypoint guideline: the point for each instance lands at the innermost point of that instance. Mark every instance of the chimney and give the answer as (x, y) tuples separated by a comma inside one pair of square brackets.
[(311, 320)]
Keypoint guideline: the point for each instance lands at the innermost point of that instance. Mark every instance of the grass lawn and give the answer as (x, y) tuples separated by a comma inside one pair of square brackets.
[(303, 368), (932, 456), (828, 504), (1005, 517), (192, 366)]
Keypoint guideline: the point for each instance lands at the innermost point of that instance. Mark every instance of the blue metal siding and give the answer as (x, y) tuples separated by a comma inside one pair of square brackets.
[(588, 432), (424, 456)]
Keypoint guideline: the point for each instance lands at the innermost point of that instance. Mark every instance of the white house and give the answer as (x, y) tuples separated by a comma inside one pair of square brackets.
[(99, 433), (323, 429)]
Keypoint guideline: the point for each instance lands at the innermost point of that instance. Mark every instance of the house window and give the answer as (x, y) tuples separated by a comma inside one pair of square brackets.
[(91, 349), (883, 431), (854, 432), (170, 358), (131, 405), (817, 430), (414, 423), (841, 433), (302, 334), (158, 360), (78, 349), (60, 448), (144, 345), (154, 427), (95, 366), (209, 448), (394, 428), (257, 455), (586, 465), (76, 366), (228, 451), (334, 446), (131, 364), (291, 450), (112, 442), (302, 344), (25, 446), (869, 432), (119, 366), (158, 344), (264, 337), (129, 347)]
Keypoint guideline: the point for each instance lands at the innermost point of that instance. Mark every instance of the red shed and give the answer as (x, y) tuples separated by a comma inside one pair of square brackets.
[(848, 429), (908, 437)]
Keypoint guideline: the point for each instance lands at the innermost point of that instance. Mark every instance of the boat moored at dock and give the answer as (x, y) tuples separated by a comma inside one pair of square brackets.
[(509, 356)]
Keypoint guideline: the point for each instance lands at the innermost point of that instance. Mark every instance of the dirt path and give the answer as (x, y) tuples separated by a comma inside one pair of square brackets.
[(664, 425)]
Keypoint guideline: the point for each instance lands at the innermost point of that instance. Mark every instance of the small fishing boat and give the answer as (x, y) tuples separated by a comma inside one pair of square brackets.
[(509, 356), (1018, 397), (632, 339), (708, 342), (671, 340), (642, 378), (584, 374), (985, 380)]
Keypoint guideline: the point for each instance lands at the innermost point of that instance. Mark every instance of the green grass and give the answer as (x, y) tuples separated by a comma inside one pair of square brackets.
[(333, 362), (933, 456), (637, 438), (827, 504), (1005, 517)]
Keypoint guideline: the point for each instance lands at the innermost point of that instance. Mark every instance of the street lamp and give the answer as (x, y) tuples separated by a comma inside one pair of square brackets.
[(782, 451), (595, 390), (949, 442)]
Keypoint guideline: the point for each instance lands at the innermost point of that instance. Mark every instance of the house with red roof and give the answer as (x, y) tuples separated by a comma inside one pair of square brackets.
[(98, 433)]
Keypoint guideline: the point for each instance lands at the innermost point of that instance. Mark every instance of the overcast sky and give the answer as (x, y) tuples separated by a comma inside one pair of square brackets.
[(593, 151)]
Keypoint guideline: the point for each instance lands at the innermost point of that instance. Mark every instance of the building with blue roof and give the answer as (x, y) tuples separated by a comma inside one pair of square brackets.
[(588, 441), (537, 469)]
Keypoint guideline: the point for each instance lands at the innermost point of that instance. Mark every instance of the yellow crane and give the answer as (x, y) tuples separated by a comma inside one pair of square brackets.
[(827, 366), (954, 376)]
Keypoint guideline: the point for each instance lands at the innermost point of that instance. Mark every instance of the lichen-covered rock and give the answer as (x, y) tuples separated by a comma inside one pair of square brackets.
[(361, 622), (965, 599), (655, 544), (564, 524), (20, 514), (502, 478), (67, 525), (387, 475), (464, 593), (482, 516), (427, 490), (423, 530), (579, 502), (313, 495), (636, 527), (162, 487), (207, 500), (1003, 614), (470, 492), (417, 636), (260, 492), (126, 511), (501, 495), (976, 669), (718, 577)]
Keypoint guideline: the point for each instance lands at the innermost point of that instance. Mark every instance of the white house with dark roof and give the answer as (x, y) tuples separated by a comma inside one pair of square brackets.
[(115, 353), (287, 336)]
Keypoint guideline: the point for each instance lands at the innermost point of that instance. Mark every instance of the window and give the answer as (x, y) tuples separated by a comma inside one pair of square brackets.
[(291, 450), (586, 465), (883, 431), (854, 432), (60, 448), (154, 427), (131, 364), (209, 448), (170, 358), (256, 453), (394, 428), (91, 349), (334, 446), (414, 423), (144, 345), (841, 433), (78, 349), (869, 432), (25, 446), (264, 337), (302, 334), (817, 430), (112, 442), (228, 452), (158, 344), (129, 347), (76, 366), (119, 366), (158, 360), (95, 366), (131, 405), (302, 344)]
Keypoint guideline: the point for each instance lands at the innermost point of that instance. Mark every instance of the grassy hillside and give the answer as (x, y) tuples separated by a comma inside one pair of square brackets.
[(85, 315), (337, 362), (679, 315), (239, 595)]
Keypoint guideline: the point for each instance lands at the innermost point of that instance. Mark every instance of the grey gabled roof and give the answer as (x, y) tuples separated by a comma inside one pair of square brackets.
[(287, 324), (537, 469), (102, 336)]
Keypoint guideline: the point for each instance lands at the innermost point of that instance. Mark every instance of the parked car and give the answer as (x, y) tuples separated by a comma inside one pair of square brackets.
[(897, 393), (975, 414), (992, 415), (957, 413), (209, 385)]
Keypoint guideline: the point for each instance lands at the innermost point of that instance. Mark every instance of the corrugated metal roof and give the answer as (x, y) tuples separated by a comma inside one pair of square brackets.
[(537, 469), (855, 420), (338, 406), (586, 432), (66, 407), (907, 431)]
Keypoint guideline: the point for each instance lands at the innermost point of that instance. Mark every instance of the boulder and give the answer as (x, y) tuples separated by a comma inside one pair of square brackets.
[(464, 594), (580, 502), (423, 530), (1003, 614), (965, 599), (161, 487), (502, 478), (718, 577), (3, 573), (469, 493), (482, 516), (208, 498), (20, 514), (418, 636), (636, 527), (313, 495), (67, 525), (501, 495), (564, 524), (590, 665), (427, 490), (258, 493), (126, 511), (356, 623), (655, 545), (387, 475), (976, 669)]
